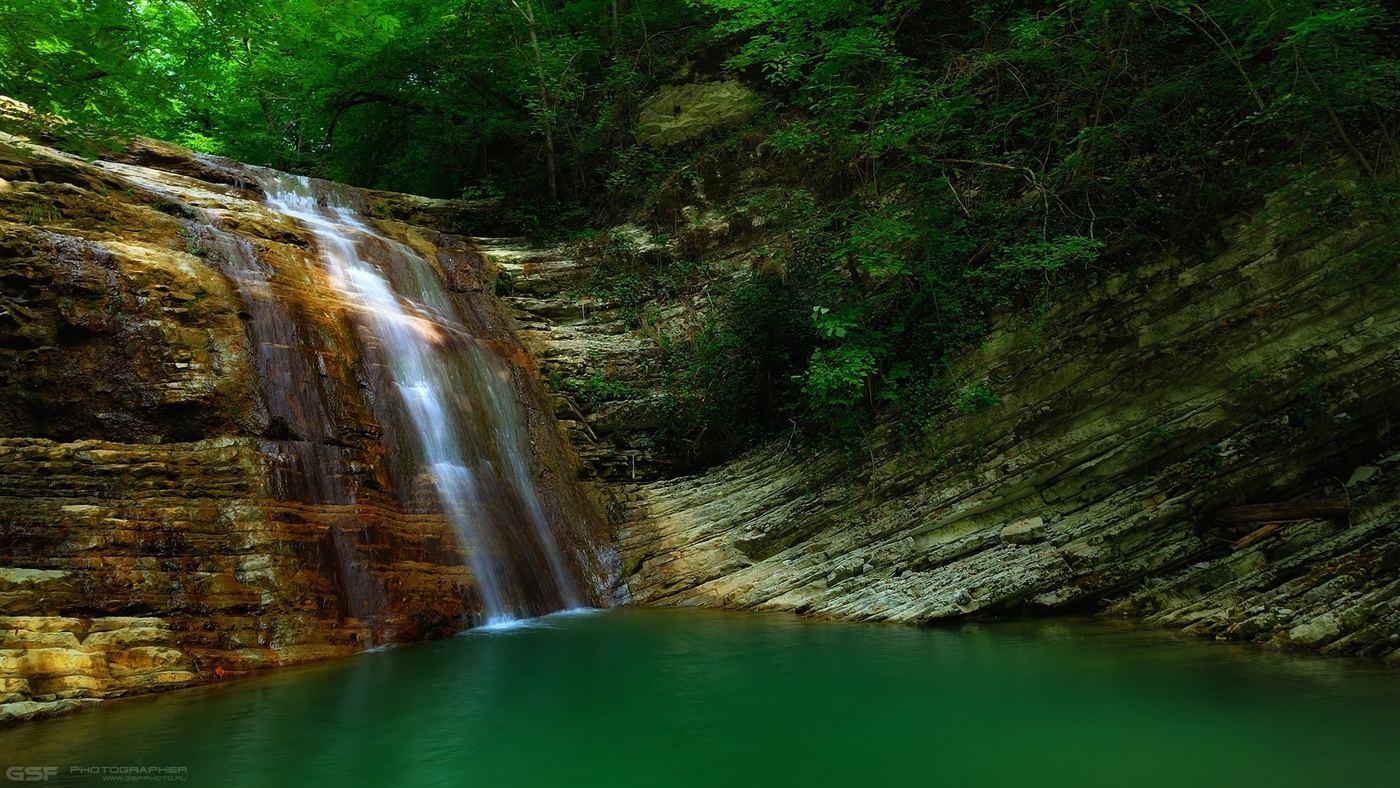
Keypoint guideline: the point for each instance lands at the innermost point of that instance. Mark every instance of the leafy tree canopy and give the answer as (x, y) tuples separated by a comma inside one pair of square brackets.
[(937, 158)]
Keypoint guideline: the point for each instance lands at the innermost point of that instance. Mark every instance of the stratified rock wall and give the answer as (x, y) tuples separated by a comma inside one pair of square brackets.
[(681, 113), (575, 337), (1124, 416), (135, 567), (193, 480)]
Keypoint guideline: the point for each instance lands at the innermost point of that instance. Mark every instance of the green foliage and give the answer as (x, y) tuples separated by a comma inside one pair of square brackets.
[(412, 95), (731, 383), (836, 376), (831, 326), (973, 397), (995, 148), (927, 163), (1311, 400), (598, 388), (878, 243), (1154, 434), (1207, 461), (39, 214), (1095, 110)]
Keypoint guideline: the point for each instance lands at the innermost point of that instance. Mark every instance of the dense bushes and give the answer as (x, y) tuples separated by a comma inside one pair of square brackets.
[(993, 149)]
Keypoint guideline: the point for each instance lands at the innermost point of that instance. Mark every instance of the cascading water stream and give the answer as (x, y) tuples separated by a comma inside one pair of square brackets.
[(301, 443), (465, 429), (434, 392)]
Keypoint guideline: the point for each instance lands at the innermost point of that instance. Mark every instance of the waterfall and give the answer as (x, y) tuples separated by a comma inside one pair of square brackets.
[(431, 395), (447, 403)]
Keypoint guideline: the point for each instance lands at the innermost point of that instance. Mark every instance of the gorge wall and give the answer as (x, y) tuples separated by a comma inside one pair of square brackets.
[(196, 478), (1125, 415), (185, 497)]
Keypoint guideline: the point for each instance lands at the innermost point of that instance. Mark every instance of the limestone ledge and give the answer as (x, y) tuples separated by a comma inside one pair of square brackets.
[(681, 113), (1125, 415), (46, 662)]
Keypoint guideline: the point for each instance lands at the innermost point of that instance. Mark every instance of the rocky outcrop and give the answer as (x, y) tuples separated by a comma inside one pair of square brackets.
[(603, 358), (576, 337), (196, 480), (1124, 415), (141, 567), (681, 113)]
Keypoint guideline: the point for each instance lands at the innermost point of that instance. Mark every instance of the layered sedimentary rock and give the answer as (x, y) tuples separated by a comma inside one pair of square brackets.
[(1123, 417), (681, 113), (576, 337), (196, 476), (135, 567)]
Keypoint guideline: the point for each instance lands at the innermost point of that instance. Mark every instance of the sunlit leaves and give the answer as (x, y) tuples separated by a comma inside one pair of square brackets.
[(832, 326), (836, 377)]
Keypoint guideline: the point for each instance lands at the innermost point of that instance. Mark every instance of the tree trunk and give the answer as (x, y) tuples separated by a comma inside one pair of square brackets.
[(528, 11), (1294, 510)]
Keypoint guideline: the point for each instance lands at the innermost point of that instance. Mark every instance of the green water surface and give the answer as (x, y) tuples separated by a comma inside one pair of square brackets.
[(662, 698)]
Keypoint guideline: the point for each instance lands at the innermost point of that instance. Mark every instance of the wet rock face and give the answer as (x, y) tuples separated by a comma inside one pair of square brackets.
[(196, 478), (172, 565), (103, 335), (95, 348), (1124, 417)]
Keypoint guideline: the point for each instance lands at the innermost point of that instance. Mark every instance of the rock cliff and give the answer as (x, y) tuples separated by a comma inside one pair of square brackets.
[(1122, 418), (194, 476), (680, 113)]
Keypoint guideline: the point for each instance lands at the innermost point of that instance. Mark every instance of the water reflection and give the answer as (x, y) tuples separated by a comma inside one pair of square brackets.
[(698, 698)]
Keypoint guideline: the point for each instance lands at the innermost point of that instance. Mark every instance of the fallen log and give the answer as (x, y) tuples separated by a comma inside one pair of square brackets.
[(1320, 508), (1256, 536)]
